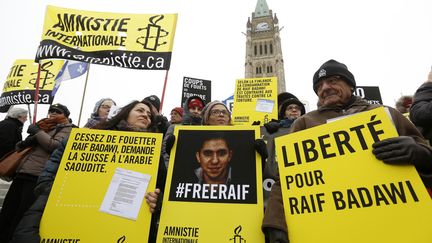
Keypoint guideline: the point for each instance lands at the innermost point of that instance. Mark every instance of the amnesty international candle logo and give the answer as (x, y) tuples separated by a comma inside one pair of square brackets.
[(46, 77), (214, 166), (237, 238), (121, 239), (20, 84), (153, 34)]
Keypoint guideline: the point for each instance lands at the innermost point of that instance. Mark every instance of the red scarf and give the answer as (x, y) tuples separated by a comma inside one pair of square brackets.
[(48, 124)]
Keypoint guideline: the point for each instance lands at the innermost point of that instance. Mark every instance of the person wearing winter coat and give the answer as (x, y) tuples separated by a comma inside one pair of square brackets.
[(334, 85), (135, 117), (421, 109), (192, 108), (44, 136), (290, 109), (100, 112), (11, 129)]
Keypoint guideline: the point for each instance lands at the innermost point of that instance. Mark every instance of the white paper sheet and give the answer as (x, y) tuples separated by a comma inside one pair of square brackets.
[(125, 193), (264, 105)]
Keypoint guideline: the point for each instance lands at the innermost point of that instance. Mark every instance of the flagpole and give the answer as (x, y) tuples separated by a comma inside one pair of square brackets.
[(163, 90), (36, 96), (84, 92), (29, 111)]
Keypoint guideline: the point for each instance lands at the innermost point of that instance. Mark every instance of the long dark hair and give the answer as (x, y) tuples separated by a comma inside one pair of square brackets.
[(112, 123)]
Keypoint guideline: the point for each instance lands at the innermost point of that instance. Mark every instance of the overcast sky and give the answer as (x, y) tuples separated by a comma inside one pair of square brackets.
[(385, 43)]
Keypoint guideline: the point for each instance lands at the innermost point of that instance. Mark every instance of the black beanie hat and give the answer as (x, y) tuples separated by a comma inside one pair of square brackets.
[(284, 96), (61, 108), (288, 102), (153, 100), (333, 68)]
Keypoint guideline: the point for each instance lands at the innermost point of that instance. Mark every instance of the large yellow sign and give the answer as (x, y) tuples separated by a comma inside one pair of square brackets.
[(255, 101), (335, 190), (214, 190), (98, 192), (138, 41), (20, 84)]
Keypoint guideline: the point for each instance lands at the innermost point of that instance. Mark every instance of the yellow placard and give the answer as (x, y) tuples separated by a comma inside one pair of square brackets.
[(138, 41), (98, 165), (255, 101), (335, 190), (197, 209), (20, 83)]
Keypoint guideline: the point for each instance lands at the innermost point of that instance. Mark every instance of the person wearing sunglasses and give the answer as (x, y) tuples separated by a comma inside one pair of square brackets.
[(44, 136)]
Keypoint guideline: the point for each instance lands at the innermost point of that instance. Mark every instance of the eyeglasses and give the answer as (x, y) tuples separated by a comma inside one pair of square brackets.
[(218, 112), (293, 107), (55, 111), (105, 106)]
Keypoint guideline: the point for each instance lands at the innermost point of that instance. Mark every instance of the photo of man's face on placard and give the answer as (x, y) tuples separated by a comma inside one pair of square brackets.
[(214, 166)]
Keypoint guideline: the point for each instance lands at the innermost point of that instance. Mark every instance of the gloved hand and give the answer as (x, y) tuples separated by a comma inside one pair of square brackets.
[(276, 235), (402, 150), (256, 123), (29, 141), (33, 129), (169, 143), (272, 127), (162, 123), (261, 147)]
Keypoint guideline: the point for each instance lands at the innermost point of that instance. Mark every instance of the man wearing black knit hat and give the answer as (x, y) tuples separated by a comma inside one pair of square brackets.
[(334, 84)]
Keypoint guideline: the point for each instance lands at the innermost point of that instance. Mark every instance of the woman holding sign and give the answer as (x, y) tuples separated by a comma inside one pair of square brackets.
[(136, 116)]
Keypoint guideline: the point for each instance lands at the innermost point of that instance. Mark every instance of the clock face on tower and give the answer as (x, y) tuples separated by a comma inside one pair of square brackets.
[(262, 26)]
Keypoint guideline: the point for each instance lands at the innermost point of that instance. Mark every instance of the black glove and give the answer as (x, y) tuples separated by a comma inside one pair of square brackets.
[(256, 123), (29, 141), (402, 150), (261, 147), (276, 235), (169, 143), (33, 129), (272, 127), (162, 123)]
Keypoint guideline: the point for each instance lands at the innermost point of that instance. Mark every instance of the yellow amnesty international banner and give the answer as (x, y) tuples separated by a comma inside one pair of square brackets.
[(138, 41), (335, 190), (20, 84), (255, 100), (98, 193), (214, 190)]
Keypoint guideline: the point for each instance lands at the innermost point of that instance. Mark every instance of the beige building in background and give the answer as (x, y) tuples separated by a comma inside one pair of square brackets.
[(263, 46)]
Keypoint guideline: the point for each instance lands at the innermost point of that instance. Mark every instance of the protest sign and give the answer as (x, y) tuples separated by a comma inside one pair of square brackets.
[(196, 87), (333, 186), (255, 101), (98, 193), (138, 41), (370, 93), (213, 192), (20, 84)]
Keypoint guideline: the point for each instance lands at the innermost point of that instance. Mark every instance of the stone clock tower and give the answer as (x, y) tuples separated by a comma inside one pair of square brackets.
[(263, 46)]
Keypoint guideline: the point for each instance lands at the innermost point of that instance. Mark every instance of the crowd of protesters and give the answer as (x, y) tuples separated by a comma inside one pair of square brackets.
[(333, 84)]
